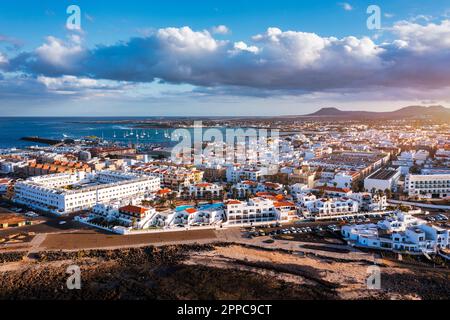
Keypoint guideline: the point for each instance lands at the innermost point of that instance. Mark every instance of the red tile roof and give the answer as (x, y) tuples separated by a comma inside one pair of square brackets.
[(164, 191), (203, 185), (284, 204), (333, 189), (134, 209)]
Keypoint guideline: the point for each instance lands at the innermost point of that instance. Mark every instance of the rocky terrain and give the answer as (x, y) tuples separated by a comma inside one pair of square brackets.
[(219, 271)]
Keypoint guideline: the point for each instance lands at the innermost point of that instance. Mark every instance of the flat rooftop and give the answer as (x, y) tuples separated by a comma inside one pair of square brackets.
[(383, 174)]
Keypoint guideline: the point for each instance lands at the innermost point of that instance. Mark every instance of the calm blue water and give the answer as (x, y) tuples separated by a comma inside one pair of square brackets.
[(12, 129)]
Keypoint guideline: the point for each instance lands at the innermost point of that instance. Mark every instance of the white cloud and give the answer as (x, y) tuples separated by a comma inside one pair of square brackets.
[(346, 6), (242, 46), (220, 29), (427, 37), (274, 62), (185, 39), (59, 53), (3, 59)]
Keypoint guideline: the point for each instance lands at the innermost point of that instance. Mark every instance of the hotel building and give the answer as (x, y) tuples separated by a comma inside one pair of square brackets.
[(428, 186), (66, 193), (403, 233), (254, 211)]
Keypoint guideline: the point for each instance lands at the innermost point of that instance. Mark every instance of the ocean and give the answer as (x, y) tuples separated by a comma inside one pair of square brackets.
[(14, 128)]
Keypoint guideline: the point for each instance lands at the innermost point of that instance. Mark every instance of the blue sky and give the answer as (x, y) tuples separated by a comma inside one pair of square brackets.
[(267, 57)]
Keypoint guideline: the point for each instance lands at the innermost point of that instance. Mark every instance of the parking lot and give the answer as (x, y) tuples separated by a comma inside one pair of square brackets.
[(311, 227), (41, 222)]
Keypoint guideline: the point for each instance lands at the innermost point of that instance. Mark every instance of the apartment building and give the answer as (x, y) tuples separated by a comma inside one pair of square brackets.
[(174, 177), (238, 173), (195, 217), (326, 208), (65, 193), (370, 202), (41, 169), (286, 211), (136, 216), (403, 233), (205, 191), (428, 185), (247, 212)]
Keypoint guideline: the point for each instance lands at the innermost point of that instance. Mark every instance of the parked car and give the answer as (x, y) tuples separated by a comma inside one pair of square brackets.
[(31, 214)]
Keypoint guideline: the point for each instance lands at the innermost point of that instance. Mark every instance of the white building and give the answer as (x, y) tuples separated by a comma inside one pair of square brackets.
[(192, 217), (245, 187), (254, 211), (298, 190), (343, 179), (130, 215), (419, 157), (383, 179), (369, 202), (205, 190), (286, 211), (65, 193), (326, 208), (4, 185), (428, 186), (403, 233), (236, 173)]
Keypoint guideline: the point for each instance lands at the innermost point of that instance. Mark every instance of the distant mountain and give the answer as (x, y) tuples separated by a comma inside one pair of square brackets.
[(411, 112)]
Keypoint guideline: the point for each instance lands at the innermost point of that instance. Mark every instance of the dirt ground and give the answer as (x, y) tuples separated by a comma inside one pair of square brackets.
[(215, 271), (93, 239)]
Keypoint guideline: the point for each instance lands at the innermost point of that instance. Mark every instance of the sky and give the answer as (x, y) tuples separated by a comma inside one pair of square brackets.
[(221, 58)]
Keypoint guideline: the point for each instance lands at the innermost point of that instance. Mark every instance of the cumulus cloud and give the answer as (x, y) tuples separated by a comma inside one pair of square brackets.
[(221, 29), (277, 61), (424, 37), (72, 84), (242, 46), (3, 59)]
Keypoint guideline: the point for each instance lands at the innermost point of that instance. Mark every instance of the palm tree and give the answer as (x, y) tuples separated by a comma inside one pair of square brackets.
[(171, 197), (388, 193), (234, 193)]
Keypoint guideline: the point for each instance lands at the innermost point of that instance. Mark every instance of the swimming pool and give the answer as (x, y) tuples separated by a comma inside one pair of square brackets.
[(211, 206), (182, 208), (201, 207)]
